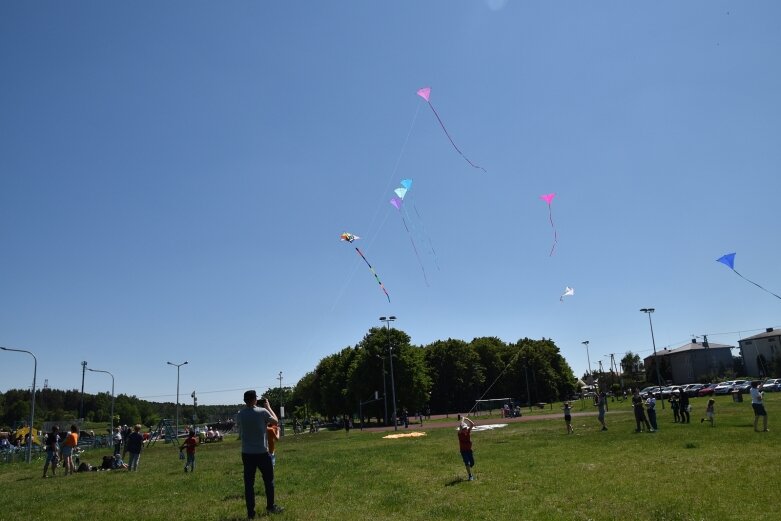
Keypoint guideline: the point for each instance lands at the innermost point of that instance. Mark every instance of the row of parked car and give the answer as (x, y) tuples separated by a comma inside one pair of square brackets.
[(709, 389)]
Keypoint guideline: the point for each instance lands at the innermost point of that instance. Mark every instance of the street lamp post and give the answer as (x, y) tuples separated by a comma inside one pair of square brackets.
[(585, 343), (176, 435), (112, 395), (32, 398), (387, 321), (648, 312), (384, 389)]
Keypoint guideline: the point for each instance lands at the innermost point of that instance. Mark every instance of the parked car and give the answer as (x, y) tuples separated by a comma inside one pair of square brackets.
[(706, 390), (772, 385), (741, 386), (692, 390), (724, 387), (652, 389)]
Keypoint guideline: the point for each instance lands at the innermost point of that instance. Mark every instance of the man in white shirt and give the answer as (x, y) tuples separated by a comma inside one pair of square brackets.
[(758, 404)]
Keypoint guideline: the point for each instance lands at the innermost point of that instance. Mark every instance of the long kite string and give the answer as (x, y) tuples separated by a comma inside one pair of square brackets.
[(374, 272), (555, 234), (494, 382), (757, 285), (411, 240), (451, 139)]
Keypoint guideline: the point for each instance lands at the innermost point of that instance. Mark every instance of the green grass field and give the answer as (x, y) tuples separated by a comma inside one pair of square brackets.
[(529, 470)]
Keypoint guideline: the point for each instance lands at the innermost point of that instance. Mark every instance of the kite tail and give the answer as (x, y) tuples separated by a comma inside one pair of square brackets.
[(451, 139), (757, 285), (555, 234), (412, 241), (373, 272)]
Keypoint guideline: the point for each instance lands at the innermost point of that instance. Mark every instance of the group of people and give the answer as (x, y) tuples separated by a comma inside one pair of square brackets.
[(55, 451)]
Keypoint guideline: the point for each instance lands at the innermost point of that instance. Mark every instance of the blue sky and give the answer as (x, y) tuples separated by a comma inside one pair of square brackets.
[(174, 177)]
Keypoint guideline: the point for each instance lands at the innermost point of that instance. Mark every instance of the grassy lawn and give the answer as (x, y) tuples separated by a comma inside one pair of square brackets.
[(528, 470)]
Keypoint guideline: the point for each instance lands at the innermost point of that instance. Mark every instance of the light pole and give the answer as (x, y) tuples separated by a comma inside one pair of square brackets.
[(112, 395), (176, 436), (81, 410), (387, 321), (585, 343), (384, 389), (648, 312), (32, 398)]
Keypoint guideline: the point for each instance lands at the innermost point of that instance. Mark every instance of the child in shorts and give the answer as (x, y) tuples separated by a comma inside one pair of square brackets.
[(567, 408), (465, 445), (709, 412)]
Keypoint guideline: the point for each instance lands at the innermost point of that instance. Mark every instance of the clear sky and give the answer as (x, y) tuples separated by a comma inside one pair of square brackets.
[(174, 178)]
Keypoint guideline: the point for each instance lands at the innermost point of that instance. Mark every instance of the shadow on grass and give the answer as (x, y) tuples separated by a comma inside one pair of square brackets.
[(454, 482)]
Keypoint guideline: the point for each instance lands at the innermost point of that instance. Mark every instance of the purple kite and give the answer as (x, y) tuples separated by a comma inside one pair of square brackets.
[(548, 198), (729, 261), (425, 93), (349, 237)]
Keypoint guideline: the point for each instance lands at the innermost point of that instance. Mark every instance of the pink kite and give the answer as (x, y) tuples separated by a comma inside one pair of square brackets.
[(425, 93), (548, 198)]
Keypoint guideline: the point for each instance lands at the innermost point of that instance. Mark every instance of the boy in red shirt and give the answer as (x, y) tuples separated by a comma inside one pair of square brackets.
[(465, 445), (190, 444)]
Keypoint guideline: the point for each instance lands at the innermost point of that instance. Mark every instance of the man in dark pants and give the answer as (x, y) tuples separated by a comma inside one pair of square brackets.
[(252, 423), (683, 404)]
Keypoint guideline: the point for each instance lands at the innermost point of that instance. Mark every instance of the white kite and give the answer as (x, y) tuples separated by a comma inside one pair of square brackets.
[(568, 292)]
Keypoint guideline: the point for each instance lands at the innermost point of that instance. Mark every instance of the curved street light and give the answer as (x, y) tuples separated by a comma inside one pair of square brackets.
[(648, 312), (32, 398), (111, 433), (176, 436)]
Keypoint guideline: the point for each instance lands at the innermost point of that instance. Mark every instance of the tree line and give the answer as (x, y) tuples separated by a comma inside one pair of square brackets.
[(445, 376)]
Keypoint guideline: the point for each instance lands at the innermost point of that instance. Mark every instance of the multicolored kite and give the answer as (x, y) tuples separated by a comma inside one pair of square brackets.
[(548, 198), (425, 93), (729, 261), (349, 237), (568, 292)]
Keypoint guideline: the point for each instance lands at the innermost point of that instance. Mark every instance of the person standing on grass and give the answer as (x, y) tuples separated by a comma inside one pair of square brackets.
[(567, 408), (190, 443), (640, 419), (135, 442), (685, 408), (116, 437), (52, 451), (675, 406), (272, 434), (252, 424), (650, 405), (758, 404), (68, 446), (601, 403), (465, 446)]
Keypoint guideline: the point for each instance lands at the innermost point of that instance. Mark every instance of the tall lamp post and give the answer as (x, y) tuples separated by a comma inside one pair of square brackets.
[(112, 395), (648, 312), (176, 436), (387, 321), (585, 343), (32, 398), (384, 389)]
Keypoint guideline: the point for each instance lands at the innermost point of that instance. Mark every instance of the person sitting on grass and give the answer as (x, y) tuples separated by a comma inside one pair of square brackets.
[(118, 464)]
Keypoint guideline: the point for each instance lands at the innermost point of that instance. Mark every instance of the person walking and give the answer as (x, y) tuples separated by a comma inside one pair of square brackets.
[(709, 412), (601, 403), (52, 451), (190, 443), (758, 404), (68, 446), (252, 425)]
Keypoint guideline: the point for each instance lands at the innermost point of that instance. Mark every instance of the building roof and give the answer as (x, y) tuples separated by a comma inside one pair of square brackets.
[(691, 346), (769, 332)]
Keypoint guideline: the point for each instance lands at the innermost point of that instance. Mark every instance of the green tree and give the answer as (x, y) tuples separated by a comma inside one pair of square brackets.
[(456, 375)]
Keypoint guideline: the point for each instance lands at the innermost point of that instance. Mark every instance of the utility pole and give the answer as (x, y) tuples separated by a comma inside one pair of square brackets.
[(195, 408), (281, 408), (83, 370)]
